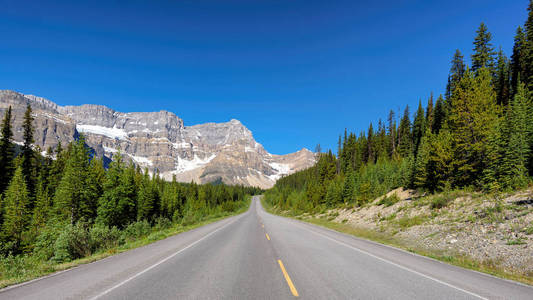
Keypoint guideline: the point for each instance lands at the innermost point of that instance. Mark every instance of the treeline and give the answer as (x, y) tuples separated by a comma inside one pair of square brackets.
[(60, 200), (479, 135)]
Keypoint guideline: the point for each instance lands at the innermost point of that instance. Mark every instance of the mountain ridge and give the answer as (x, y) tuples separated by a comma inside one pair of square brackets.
[(159, 141)]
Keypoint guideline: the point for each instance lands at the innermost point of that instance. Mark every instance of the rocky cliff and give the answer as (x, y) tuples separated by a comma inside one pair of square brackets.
[(203, 153)]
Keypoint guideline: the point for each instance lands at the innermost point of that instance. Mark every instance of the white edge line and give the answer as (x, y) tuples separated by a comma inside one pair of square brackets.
[(395, 264), (160, 262)]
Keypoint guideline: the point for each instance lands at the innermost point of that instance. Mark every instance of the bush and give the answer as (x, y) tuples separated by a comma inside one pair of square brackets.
[(44, 245), (442, 200), (103, 237), (136, 230), (73, 242), (389, 201), (162, 223)]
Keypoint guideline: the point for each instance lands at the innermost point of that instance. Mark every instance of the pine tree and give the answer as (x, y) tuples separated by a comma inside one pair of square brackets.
[(392, 134), (518, 60), (430, 113), (27, 155), (439, 115), (43, 203), (483, 56), (528, 49), (502, 82), (6, 151), (457, 71), (117, 205), (74, 199), (439, 167), (371, 155), (419, 127), (473, 114), (147, 198), (420, 177), (404, 134), (516, 147), (16, 202)]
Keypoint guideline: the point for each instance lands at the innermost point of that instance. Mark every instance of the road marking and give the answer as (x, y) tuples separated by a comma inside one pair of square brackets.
[(268, 237), (262, 225), (159, 262), (394, 264), (288, 278)]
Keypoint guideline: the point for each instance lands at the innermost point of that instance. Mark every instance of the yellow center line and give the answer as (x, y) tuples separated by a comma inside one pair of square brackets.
[(268, 237), (289, 281)]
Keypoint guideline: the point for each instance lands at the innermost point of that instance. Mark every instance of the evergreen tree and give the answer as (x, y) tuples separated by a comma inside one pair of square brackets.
[(439, 115), (27, 155), (516, 151), (419, 127), (147, 207), (518, 59), (43, 203), (74, 198), (457, 71), (528, 49), (370, 157), (118, 203), (439, 167), (502, 82), (483, 56), (404, 134), (16, 203), (392, 134), (6, 151), (430, 113), (473, 114), (420, 177)]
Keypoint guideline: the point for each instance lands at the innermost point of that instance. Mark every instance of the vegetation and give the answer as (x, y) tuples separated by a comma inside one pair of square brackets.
[(67, 206), (478, 136)]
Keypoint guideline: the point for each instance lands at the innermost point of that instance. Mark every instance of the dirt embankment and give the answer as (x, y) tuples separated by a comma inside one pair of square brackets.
[(496, 231)]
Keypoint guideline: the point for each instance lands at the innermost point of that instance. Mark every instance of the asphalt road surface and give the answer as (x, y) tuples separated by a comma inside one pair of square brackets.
[(257, 255)]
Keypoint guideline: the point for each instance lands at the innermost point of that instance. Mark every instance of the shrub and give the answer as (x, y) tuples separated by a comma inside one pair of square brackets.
[(102, 237), (73, 242), (162, 223), (389, 201), (406, 222), (136, 230), (44, 245)]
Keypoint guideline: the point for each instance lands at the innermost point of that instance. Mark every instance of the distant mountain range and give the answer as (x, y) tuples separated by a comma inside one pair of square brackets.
[(210, 152)]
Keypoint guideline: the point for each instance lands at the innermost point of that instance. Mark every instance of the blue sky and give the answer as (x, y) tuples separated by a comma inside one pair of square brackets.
[(294, 72)]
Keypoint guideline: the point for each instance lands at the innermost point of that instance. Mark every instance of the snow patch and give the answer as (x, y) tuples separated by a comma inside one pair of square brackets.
[(108, 149), (282, 169), (114, 133), (141, 160), (184, 165), (182, 145)]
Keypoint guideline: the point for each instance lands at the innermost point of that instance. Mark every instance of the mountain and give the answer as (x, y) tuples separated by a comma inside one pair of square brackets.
[(210, 152)]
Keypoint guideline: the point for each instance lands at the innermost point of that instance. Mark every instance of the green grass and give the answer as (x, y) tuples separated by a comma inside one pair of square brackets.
[(389, 201), (17, 269), (406, 222), (487, 266), (517, 241)]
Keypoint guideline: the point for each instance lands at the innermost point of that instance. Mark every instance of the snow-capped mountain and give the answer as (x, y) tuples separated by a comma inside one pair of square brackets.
[(159, 141)]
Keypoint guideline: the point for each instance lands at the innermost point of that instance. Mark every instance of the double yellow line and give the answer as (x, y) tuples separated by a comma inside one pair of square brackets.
[(284, 271)]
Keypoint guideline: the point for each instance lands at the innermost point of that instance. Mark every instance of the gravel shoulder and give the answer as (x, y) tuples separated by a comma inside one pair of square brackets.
[(493, 233)]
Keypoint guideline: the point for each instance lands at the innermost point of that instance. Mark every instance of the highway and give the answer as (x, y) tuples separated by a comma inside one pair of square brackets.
[(257, 255)]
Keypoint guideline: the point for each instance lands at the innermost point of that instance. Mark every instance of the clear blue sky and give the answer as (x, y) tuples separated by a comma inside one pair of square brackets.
[(295, 72)]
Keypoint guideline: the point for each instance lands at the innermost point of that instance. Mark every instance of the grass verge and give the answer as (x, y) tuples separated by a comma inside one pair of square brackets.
[(22, 269), (488, 267)]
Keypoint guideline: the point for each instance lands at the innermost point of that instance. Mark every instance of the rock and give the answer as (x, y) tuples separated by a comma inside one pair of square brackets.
[(159, 141)]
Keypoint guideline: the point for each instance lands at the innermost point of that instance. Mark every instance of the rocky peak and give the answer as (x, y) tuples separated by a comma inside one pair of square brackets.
[(159, 141)]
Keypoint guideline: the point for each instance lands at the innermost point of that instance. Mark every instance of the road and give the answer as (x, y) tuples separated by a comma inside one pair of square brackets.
[(257, 255)]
